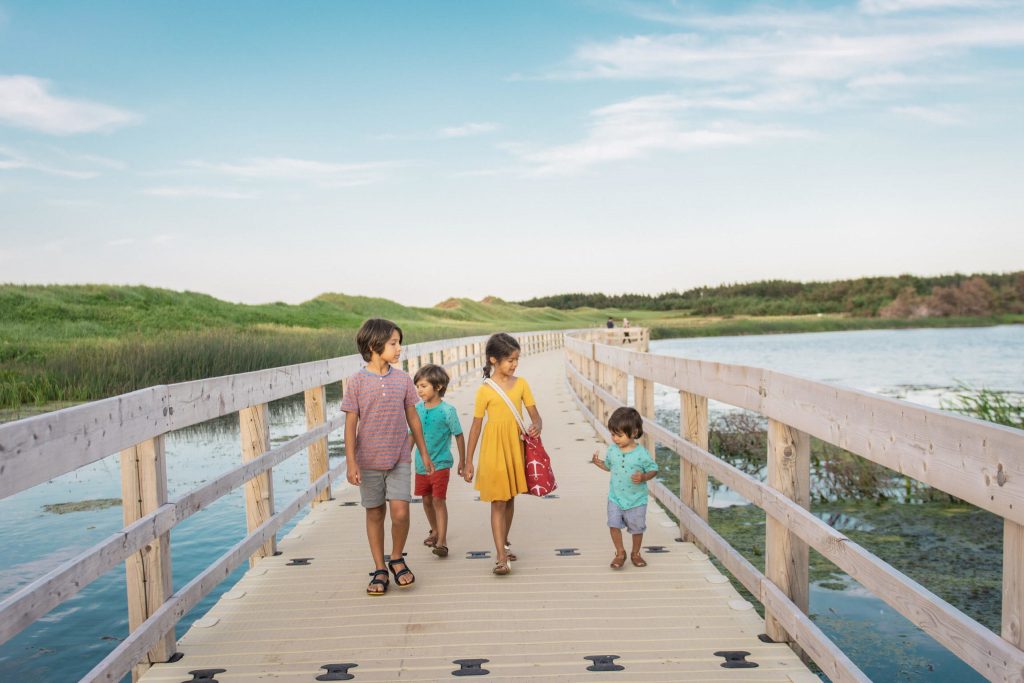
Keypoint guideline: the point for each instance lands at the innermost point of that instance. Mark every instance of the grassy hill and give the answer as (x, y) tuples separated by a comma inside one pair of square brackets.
[(83, 342)]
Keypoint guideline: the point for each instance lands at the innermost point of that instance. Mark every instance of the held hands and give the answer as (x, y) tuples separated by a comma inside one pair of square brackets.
[(428, 465), (466, 472)]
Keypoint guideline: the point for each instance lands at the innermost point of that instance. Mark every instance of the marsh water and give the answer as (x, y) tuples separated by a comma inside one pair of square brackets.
[(917, 365)]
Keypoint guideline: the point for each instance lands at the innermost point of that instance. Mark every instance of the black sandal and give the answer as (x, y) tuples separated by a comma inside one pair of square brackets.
[(401, 572), (377, 582)]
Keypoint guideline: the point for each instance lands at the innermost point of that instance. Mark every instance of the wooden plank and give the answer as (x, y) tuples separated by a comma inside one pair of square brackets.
[(37, 449), (987, 653), (693, 481), (316, 415), (148, 571), (786, 556), (643, 400), (259, 491), (1013, 583), (134, 647)]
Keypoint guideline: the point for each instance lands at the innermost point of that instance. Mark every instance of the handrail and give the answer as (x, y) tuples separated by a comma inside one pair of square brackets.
[(37, 449), (588, 365)]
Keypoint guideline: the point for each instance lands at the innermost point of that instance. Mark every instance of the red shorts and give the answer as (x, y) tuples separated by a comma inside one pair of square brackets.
[(435, 484)]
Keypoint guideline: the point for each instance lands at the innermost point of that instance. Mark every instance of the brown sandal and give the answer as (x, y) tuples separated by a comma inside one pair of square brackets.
[(430, 540), (620, 559), (502, 568), (637, 560)]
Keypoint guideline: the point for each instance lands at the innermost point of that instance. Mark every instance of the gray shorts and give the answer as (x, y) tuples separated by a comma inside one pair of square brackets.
[(633, 520), (381, 485)]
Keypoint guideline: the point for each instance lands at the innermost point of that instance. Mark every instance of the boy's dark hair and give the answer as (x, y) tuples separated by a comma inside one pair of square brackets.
[(434, 374), (499, 347), (374, 334), (626, 421)]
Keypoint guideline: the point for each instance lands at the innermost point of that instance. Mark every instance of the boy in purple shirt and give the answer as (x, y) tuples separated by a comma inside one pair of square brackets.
[(380, 412)]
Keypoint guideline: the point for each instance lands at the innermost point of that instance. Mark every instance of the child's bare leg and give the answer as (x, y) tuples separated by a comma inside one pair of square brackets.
[(399, 526), (510, 510), (635, 557), (499, 527), (429, 511), (439, 524), (617, 540), (375, 534)]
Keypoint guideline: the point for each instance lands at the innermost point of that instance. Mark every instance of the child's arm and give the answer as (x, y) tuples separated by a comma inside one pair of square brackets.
[(460, 443), (600, 463), (538, 424), (474, 436), (352, 473), (413, 418), (639, 477)]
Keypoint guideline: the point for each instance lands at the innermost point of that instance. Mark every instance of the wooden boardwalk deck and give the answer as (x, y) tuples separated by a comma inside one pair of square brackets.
[(664, 621)]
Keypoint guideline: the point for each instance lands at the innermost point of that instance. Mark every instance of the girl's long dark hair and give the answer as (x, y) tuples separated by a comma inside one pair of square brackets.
[(499, 347)]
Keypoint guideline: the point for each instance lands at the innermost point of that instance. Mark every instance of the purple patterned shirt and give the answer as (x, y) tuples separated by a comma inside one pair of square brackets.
[(379, 401)]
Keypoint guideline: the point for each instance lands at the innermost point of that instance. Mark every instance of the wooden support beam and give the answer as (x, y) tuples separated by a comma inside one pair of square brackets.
[(147, 572), (693, 481), (1013, 583), (643, 401), (316, 415), (259, 491), (786, 555)]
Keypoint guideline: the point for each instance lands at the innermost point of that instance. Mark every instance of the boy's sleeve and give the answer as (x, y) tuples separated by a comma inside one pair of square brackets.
[(350, 401), (411, 398), (454, 426), (480, 407), (647, 462), (527, 395)]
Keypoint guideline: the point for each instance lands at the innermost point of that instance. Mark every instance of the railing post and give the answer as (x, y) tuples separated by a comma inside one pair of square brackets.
[(1013, 583), (147, 572), (643, 400), (693, 481), (259, 491), (316, 415), (786, 556)]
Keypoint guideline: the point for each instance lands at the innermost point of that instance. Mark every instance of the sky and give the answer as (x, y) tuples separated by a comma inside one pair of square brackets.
[(268, 151)]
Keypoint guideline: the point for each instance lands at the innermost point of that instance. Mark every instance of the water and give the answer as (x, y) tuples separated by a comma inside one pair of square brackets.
[(919, 365), (924, 366)]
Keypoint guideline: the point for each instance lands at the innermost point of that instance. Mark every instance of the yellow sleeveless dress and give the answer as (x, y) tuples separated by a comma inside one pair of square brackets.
[(501, 472)]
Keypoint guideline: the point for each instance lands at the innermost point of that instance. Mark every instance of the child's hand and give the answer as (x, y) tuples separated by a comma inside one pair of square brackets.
[(467, 472), (353, 475), (428, 464), (638, 477), (534, 430), (596, 459)]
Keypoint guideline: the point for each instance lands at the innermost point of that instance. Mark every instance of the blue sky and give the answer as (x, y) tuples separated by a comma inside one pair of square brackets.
[(273, 151)]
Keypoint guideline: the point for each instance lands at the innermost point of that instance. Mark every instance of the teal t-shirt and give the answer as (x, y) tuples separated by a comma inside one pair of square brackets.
[(440, 424), (622, 491)]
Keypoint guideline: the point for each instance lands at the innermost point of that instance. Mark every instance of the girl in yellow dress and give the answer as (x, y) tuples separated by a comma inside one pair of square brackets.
[(502, 471)]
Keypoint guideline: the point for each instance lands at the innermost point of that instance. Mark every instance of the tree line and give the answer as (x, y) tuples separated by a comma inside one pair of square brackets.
[(903, 297)]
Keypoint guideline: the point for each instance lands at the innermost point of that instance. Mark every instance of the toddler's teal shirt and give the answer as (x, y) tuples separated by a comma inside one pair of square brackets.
[(440, 424), (622, 491)]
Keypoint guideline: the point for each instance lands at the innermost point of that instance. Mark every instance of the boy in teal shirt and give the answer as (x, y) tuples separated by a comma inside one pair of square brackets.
[(440, 423), (631, 467)]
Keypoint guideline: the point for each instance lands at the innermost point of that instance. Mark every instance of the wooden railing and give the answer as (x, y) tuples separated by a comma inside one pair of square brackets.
[(978, 462), (37, 449)]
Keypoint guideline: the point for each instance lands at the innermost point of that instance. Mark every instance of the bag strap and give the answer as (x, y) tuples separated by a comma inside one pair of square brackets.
[(501, 392)]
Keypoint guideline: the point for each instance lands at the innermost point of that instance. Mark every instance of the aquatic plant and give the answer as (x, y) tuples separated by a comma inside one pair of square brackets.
[(992, 405)]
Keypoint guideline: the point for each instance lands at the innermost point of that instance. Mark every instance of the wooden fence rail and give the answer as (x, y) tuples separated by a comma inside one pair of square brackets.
[(37, 449), (973, 460)]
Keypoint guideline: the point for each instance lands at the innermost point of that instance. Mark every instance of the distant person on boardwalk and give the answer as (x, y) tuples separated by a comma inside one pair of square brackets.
[(501, 474), (625, 334), (440, 423), (631, 467), (380, 413), (610, 324)]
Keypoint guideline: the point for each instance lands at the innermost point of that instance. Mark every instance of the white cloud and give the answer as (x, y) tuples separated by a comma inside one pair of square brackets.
[(891, 6), (194, 191), (935, 115), (26, 102), (641, 127), (467, 130), (11, 160), (320, 173), (121, 242)]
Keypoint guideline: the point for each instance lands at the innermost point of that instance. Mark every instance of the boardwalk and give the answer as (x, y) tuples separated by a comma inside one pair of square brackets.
[(665, 621)]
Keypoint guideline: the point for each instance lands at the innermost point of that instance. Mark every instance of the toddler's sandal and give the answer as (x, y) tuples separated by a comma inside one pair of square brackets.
[(638, 561), (430, 540), (620, 559), (376, 581), (440, 550)]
